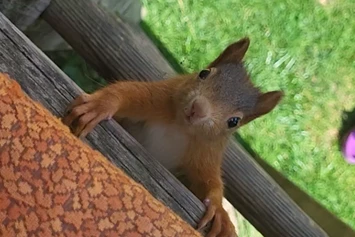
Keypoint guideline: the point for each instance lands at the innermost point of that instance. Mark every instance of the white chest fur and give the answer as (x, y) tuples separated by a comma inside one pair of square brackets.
[(165, 142)]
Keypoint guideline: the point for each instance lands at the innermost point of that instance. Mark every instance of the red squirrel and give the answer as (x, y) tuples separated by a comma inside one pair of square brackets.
[(185, 122)]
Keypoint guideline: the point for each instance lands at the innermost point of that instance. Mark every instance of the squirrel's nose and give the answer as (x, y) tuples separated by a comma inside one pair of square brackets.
[(197, 110)]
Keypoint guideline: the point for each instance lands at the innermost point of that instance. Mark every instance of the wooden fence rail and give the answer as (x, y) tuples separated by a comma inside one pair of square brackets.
[(23, 13)]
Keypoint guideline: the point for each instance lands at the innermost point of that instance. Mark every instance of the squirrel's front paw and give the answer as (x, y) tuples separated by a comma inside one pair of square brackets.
[(86, 111), (222, 225)]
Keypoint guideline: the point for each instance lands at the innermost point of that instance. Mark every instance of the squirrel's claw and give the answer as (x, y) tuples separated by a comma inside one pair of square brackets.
[(210, 213), (222, 226), (76, 112), (216, 226), (84, 113)]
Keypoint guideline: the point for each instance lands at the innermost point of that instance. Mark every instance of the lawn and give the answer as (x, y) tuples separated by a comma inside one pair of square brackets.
[(303, 47)]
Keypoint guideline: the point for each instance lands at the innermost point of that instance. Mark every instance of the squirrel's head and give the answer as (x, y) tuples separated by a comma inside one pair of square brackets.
[(222, 97)]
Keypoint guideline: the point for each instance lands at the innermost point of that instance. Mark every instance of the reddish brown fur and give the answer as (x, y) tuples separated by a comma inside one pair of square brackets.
[(227, 92)]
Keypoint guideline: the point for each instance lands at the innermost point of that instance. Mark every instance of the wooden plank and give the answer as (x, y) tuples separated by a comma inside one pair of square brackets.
[(118, 38), (128, 10), (23, 13), (43, 81), (43, 35), (331, 224), (114, 51), (47, 39), (269, 200)]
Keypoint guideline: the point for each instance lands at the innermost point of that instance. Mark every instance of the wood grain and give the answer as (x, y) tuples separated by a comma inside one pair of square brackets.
[(73, 19), (113, 49), (47, 39), (23, 13), (330, 223), (43, 81)]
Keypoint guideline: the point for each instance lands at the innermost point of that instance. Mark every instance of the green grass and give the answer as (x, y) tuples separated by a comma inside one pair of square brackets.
[(301, 47)]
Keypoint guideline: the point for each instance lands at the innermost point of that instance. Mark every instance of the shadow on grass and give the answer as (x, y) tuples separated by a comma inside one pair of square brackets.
[(161, 47), (347, 124), (266, 166), (72, 64)]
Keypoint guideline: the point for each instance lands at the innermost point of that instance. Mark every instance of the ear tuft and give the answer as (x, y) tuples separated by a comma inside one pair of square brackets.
[(234, 53), (266, 102), (244, 42)]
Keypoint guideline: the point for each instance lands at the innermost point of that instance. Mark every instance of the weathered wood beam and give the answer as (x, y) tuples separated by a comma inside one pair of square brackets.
[(117, 38), (270, 201), (44, 82), (330, 223), (48, 39), (128, 10), (23, 13), (115, 52)]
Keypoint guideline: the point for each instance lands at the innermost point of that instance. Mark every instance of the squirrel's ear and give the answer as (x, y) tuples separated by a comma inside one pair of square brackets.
[(266, 102), (234, 53)]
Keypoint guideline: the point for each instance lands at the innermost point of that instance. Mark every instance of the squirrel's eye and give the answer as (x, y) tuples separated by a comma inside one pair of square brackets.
[(232, 122), (203, 74)]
